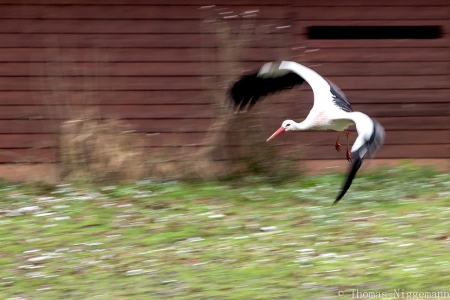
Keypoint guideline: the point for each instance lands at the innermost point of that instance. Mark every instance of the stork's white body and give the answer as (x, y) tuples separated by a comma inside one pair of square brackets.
[(325, 114)]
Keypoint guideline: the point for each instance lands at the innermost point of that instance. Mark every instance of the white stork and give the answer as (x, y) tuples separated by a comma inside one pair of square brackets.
[(331, 109)]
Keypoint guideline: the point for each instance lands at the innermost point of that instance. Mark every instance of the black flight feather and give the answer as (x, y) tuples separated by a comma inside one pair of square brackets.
[(356, 164), (339, 97), (250, 87)]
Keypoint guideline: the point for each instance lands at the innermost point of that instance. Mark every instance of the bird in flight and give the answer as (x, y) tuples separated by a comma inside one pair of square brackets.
[(331, 109)]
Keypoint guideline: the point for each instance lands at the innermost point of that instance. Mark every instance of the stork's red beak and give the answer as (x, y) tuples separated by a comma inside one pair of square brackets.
[(280, 130)]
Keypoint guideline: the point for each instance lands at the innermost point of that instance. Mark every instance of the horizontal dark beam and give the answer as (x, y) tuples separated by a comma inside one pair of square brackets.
[(373, 32)]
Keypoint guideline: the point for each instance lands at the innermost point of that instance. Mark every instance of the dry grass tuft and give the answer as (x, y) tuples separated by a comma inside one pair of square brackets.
[(100, 151)]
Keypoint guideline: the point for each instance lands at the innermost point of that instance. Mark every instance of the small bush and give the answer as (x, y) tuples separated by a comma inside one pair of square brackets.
[(100, 151)]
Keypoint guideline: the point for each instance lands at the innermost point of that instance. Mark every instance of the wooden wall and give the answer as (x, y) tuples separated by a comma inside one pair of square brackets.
[(146, 62)]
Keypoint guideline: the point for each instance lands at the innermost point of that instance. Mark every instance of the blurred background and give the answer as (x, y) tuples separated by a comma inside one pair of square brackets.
[(120, 89)]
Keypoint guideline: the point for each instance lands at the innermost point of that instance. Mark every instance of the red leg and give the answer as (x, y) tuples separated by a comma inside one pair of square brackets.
[(337, 146), (349, 157)]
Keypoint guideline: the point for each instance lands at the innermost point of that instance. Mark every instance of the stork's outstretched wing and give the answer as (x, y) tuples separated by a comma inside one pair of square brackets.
[(276, 76)]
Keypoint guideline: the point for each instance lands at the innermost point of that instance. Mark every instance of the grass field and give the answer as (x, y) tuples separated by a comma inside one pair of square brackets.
[(388, 238)]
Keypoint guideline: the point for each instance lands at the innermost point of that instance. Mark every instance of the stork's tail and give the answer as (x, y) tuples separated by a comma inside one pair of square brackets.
[(375, 141), (368, 149)]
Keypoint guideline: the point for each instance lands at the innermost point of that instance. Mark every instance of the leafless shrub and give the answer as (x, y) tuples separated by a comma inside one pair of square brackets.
[(91, 147), (241, 138), (100, 151)]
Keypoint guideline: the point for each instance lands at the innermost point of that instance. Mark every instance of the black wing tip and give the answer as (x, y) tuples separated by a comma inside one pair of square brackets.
[(239, 90), (356, 164), (251, 87)]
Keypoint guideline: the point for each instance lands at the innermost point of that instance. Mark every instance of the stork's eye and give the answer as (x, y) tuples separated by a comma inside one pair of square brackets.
[(287, 125)]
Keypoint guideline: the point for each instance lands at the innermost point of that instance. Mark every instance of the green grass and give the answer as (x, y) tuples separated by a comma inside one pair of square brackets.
[(152, 240)]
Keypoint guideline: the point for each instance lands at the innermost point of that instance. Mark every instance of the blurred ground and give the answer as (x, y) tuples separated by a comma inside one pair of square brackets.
[(245, 240)]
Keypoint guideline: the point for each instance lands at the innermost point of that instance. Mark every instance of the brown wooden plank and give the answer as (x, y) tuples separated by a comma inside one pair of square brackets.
[(320, 138), (392, 82), (28, 155), (388, 122), (99, 26), (170, 125), (157, 111), (120, 68), (408, 109), (396, 96), (151, 2), (194, 83), (141, 125), (103, 98), (82, 26), (372, 13), (277, 110), (211, 68), (117, 40), (414, 123), (233, 2), (376, 110), (92, 54), (316, 138), (356, 3), (28, 141), (302, 42), (130, 12), (152, 126), (205, 111), (29, 126), (381, 68), (259, 55), (297, 98), (105, 111), (99, 83), (299, 26), (393, 137), (328, 152), (387, 151), (318, 55), (175, 139), (56, 11), (201, 125), (373, 97), (150, 40)]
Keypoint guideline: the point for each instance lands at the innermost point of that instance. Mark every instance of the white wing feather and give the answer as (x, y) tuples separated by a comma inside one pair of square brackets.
[(320, 87)]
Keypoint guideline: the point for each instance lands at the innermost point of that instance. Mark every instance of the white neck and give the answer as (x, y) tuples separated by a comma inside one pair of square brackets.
[(302, 125)]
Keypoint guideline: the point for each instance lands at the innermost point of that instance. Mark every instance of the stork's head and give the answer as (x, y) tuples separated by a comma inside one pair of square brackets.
[(287, 125)]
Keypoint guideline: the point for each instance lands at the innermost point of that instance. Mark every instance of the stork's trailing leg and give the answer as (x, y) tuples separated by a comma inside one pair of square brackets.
[(349, 157), (337, 146)]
